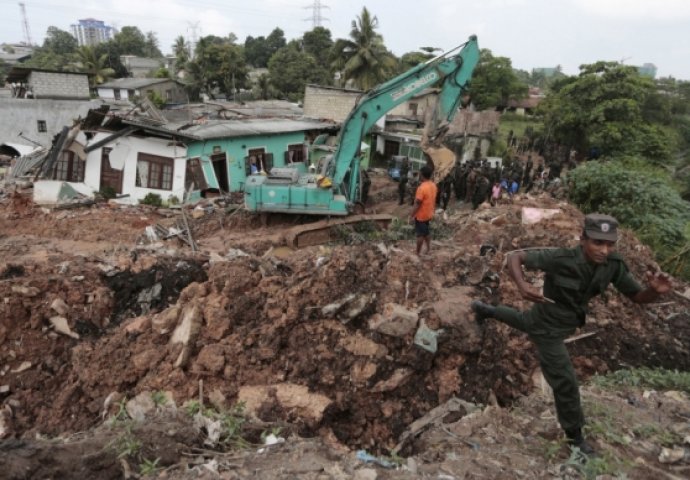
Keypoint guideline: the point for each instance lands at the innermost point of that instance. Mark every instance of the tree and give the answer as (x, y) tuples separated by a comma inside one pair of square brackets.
[(641, 198), (603, 109), (217, 65), (56, 51), (256, 51), (412, 59), (88, 61), (494, 82), (4, 70), (291, 69), (363, 59), (181, 51), (318, 44), (60, 42), (112, 57), (151, 49), (130, 41)]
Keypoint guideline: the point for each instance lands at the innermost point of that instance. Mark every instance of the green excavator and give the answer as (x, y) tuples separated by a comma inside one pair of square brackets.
[(336, 189)]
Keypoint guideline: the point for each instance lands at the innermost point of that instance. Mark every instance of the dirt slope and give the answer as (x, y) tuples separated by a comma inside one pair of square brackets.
[(320, 339)]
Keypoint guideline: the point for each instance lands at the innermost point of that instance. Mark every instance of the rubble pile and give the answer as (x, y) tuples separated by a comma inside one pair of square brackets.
[(349, 342)]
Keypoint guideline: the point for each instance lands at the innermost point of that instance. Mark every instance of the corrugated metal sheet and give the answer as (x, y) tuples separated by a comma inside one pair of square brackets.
[(254, 127)]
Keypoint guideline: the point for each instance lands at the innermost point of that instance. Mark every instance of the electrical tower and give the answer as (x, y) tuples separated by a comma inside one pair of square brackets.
[(25, 25), (316, 18), (192, 45)]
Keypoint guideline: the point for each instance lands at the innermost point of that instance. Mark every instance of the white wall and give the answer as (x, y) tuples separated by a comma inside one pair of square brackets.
[(131, 147), (109, 93)]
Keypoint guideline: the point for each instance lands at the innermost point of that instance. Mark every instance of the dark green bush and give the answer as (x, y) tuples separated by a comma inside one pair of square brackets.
[(152, 199)]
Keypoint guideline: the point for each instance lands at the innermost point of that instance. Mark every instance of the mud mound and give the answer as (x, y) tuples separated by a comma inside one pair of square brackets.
[(323, 338)]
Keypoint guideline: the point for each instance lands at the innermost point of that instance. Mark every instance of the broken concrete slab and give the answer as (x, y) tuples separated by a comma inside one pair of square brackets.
[(140, 406), (310, 406), (395, 320), (62, 326)]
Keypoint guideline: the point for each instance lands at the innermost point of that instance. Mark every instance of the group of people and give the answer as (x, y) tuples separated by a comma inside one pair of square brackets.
[(573, 276)]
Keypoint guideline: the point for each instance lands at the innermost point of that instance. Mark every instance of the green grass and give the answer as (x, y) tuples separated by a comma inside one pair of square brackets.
[(517, 124), (656, 378)]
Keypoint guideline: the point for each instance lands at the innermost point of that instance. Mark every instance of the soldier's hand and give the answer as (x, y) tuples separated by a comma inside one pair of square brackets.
[(531, 294), (659, 282)]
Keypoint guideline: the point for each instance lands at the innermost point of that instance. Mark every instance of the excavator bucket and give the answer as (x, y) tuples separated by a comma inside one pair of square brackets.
[(443, 159)]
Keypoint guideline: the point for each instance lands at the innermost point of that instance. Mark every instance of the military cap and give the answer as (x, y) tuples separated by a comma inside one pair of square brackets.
[(601, 227)]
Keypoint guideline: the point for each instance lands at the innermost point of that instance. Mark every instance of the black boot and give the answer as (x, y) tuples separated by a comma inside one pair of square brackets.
[(575, 439), (482, 311)]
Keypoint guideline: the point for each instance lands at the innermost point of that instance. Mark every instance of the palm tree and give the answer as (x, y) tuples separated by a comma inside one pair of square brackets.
[(363, 58), (86, 60), (181, 52)]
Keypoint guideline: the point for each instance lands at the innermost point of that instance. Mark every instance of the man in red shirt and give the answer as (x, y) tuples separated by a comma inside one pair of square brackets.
[(423, 210)]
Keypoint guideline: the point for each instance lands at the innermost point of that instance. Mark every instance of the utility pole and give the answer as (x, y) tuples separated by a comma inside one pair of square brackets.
[(25, 25), (316, 18)]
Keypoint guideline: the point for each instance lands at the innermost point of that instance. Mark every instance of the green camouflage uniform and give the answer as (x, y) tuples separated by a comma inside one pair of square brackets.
[(570, 281)]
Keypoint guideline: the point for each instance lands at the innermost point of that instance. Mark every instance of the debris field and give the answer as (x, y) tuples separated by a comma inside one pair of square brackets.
[(350, 342)]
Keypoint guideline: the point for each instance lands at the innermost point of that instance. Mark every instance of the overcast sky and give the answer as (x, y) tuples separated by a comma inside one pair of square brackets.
[(532, 33)]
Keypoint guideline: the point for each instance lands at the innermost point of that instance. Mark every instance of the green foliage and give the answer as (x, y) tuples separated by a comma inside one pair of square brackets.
[(88, 60), (107, 193), (4, 70), (162, 73), (610, 107), (149, 467), (494, 82), (363, 59), (231, 421), (291, 69), (318, 44), (591, 468), (159, 398), (258, 51), (151, 49), (218, 64), (181, 51), (656, 378), (126, 445), (156, 98), (56, 52), (152, 199), (131, 41), (640, 197)]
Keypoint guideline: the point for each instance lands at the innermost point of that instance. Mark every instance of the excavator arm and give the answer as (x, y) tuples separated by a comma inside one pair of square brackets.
[(455, 71), (336, 189)]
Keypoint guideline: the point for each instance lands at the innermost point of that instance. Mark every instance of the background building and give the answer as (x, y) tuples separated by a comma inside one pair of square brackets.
[(90, 31)]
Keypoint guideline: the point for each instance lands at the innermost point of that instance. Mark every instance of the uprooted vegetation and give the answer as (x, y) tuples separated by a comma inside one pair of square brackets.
[(334, 341)]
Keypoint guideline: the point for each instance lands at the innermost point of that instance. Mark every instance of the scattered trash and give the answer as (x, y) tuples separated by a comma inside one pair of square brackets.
[(427, 338), (365, 457)]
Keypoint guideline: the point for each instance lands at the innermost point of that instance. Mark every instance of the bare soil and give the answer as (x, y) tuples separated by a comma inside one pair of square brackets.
[(291, 334)]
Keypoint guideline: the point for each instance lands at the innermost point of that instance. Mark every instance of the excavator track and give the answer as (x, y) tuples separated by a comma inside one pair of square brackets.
[(324, 231)]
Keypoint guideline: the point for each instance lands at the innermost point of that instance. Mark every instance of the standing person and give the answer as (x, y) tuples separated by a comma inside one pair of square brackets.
[(495, 193), (423, 210), (572, 277)]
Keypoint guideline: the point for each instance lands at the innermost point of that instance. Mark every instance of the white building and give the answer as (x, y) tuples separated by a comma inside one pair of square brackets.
[(90, 31)]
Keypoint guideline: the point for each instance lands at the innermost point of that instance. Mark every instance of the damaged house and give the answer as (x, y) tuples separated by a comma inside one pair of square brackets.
[(227, 151), (128, 157)]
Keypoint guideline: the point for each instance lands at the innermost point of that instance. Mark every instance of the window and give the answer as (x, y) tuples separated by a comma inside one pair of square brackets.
[(131, 93), (42, 126), (295, 153), (262, 161), (413, 108), (168, 95), (194, 176), (154, 172), (116, 92), (69, 168)]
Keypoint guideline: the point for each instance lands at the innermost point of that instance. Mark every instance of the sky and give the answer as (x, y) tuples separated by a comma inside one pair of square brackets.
[(532, 33)]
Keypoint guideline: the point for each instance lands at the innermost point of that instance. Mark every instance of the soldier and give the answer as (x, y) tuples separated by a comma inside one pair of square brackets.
[(481, 192), (572, 277)]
